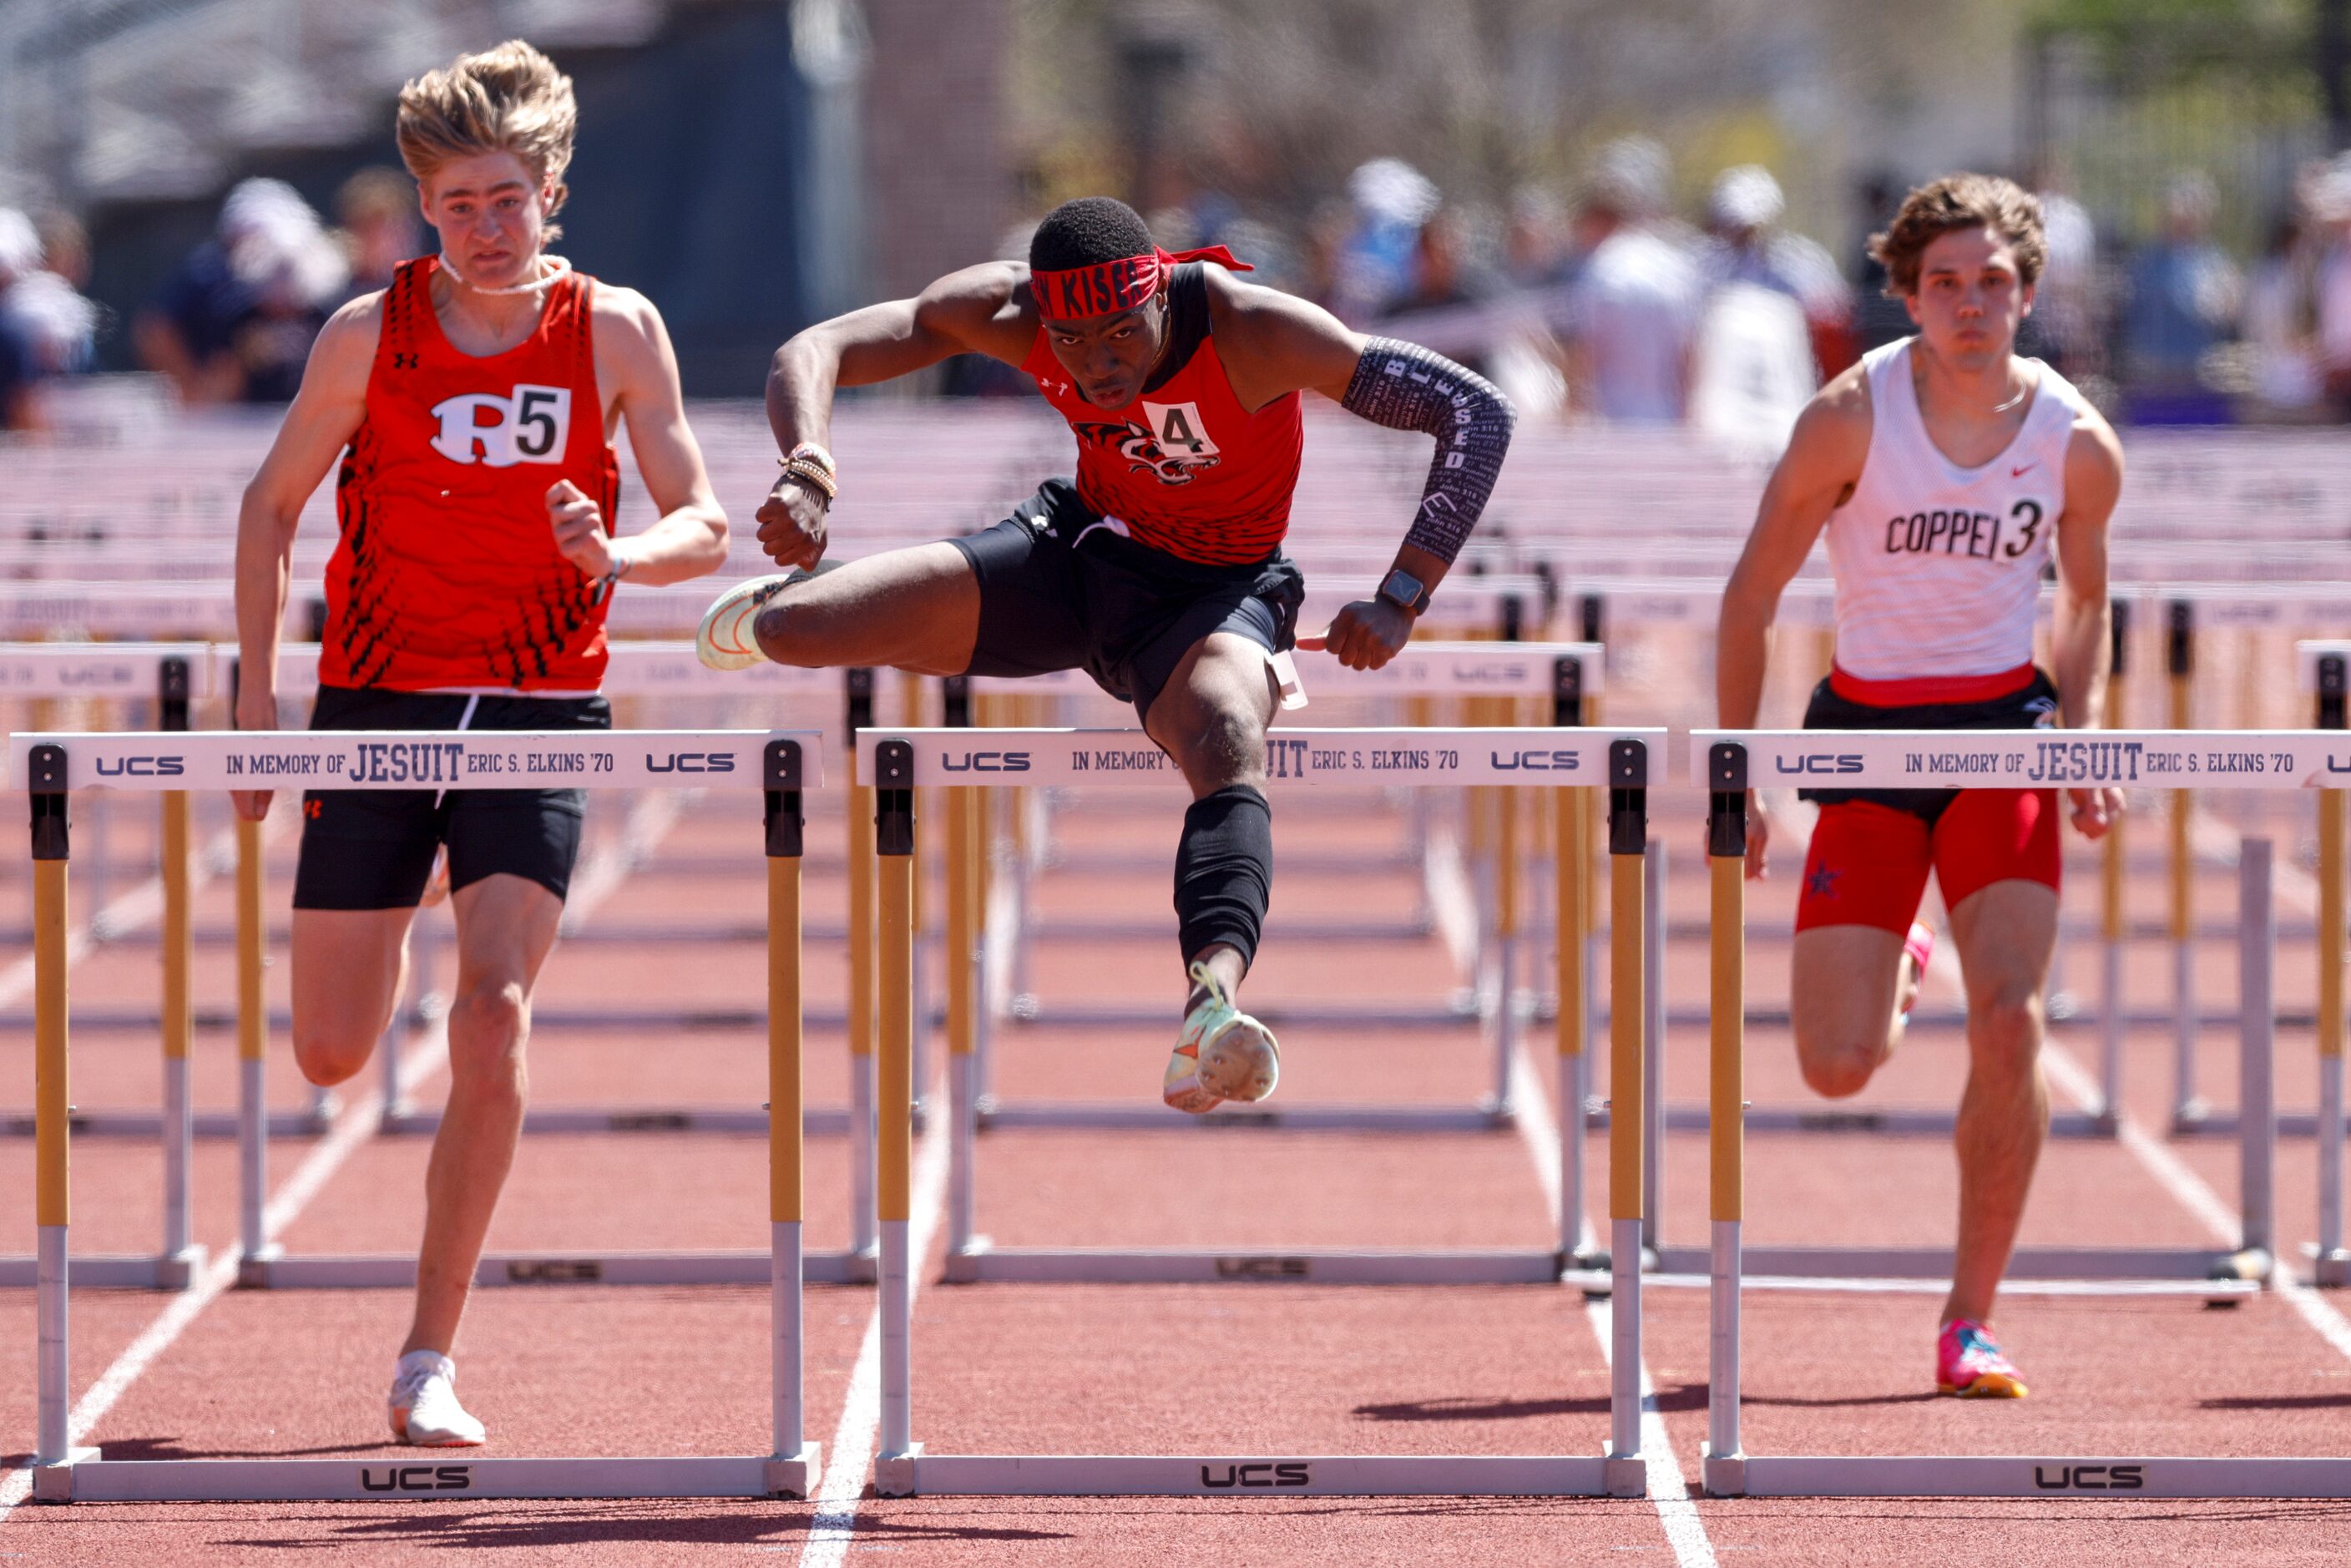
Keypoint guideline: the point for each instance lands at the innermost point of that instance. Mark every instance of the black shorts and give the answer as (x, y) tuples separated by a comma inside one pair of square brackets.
[(372, 849), (2032, 706), (1061, 590)]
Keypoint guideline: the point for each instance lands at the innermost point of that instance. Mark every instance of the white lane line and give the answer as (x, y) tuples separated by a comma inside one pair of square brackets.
[(2194, 1193), (1668, 1488), (851, 1454)]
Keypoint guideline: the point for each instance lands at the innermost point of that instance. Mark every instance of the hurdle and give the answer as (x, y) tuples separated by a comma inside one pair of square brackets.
[(902, 761), (1563, 674), (1914, 759), (780, 764), (1509, 757), (1726, 760)]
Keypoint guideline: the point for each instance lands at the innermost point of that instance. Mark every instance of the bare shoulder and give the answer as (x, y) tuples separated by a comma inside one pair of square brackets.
[(2093, 452), (624, 318), (344, 353), (1831, 435), (987, 309)]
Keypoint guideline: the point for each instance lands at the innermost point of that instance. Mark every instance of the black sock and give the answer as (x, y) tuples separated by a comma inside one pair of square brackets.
[(1224, 871)]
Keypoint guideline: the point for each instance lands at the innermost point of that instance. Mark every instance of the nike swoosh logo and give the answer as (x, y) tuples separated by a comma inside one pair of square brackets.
[(2021, 473)]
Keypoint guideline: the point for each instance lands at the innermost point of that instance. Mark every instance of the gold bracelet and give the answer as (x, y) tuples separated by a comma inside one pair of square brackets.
[(815, 478)]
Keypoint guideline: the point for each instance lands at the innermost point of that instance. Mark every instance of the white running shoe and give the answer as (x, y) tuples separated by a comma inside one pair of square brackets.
[(724, 639), (424, 1408), (1223, 1053)]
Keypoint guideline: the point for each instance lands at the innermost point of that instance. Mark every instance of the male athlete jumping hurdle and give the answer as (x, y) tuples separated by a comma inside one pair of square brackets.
[(1158, 571), (1948, 473)]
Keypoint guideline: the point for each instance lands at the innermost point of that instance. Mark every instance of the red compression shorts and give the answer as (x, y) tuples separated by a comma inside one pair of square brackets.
[(1870, 856), (1868, 862)]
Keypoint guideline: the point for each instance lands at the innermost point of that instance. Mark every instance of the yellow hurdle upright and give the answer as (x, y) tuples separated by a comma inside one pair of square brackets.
[(793, 1465), (1628, 830), (2333, 1263)]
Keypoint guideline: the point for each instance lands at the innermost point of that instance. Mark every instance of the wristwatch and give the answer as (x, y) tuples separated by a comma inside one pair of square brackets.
[(1403, 590)]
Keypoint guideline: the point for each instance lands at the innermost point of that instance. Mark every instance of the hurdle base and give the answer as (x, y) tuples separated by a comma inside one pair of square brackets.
[(897, 1474), (1253, 1476), (981, 1261), (313, 1271), (2212, 1124), (2115, 1263), (797, 1476), (55, 1483), (1722, 1475), (2022, 1476), (169, 1272), (96, 1479), (1485, 1115), (206, 1124), (1626, 1475), (253, 1269), (1891, 1121), (2330, 1270), (735, 1120)]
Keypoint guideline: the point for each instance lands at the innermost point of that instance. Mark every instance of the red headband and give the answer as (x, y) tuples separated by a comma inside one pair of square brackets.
[(1122, 285)]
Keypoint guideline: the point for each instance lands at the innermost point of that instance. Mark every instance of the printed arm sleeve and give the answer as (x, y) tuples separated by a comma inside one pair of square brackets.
[(1407, 387)]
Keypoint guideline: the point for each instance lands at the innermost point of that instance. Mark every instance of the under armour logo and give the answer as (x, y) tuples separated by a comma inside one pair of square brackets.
[(404, 362)]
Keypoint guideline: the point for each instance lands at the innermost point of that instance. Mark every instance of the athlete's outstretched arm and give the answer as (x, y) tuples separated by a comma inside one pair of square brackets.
[(981, 309), (2081, 643), (688, 535), (1823, 458), (1273, 344), (326, 410)]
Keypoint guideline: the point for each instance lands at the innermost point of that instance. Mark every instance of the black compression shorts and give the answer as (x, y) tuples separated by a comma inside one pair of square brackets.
[(1061, 589), (372, 849)]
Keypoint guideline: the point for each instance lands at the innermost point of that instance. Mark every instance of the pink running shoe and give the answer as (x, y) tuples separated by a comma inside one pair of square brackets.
[(1968, 1362), (1918, 947)]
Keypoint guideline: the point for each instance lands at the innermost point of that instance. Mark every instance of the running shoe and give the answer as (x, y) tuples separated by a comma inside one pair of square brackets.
[(724, 639), (425, 1409), (1968, 1362), (1224, 1054), (1918, 947)]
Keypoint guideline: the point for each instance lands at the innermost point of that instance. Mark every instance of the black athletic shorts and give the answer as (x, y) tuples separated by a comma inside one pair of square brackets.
[(372, 849), (1061, 589), (2032, 706)]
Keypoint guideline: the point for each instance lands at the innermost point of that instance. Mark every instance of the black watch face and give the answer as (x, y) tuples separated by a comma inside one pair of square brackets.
[(1401, 588)]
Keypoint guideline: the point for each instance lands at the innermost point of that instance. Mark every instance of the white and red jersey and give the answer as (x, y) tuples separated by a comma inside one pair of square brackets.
[(1938, 567)]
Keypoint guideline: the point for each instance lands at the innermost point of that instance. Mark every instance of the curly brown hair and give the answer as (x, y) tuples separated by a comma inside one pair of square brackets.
[(1958, 202)]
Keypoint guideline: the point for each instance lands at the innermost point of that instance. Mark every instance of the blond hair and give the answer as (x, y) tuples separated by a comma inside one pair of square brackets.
[(510, 99), (1958, 202)]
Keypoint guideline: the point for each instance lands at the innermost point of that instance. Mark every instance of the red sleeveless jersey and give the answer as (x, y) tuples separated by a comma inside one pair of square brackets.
[(1184, 466), (446, 575)]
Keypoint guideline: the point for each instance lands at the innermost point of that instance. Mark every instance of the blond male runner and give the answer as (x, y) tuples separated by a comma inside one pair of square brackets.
[(473, 404), (1948, 473)]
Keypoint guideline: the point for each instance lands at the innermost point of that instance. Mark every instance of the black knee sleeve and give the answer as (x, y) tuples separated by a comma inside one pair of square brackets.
[(1224, 871)]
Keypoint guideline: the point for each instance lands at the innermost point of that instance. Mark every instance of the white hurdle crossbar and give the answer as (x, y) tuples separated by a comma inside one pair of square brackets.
[(1559, 674), (900, 761), (1728, 761), (780, 763)]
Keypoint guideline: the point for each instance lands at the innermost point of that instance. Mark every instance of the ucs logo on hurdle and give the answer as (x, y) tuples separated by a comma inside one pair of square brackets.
[(417, 1478), (1819, 762), (2089, 1478), (1263, 1474)]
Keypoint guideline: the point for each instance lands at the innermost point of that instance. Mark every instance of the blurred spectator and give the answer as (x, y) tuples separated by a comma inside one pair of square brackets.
[(1772, 299), (382, 225), (2330, 210), (1633, 306), (2184, 296), (2281, 321), (45, 327), (1746, 243), (1878, 319), (1535, 251), (1378, 262), (235, 321), (2065, 327)]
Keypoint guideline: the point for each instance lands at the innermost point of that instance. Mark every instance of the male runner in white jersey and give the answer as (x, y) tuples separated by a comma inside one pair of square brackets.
[(1947, 472)]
